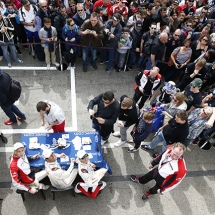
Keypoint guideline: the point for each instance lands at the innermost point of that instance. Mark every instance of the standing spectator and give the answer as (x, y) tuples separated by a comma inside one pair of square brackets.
[(3, 138), (174, 21), (105, 117), (124, 45), (9, 93), (147, 82), (53, 114), (133, 8), (121, 5), (88, 7), (176, 129), (203, 16), (142, 129), (157, 50), (81, 15), (148, 19), (112, 33), (166, 179), (128, 116), (187, 31), (133, 19), (48, 34), (23, 177), (160, 17), (106, 5), (43, 12), (6, 39), (91, 33), (188, 9), (135, 49), (72, 10)]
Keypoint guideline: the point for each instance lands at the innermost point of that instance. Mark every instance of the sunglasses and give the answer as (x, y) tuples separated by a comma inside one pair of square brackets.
[(72, 25), (194, 86), (191, 0), (204, 12), (189, 25), (43, 6), (176, 35), (195, 21), (80, 10), (205, 40), (153, 28), (86, 155)]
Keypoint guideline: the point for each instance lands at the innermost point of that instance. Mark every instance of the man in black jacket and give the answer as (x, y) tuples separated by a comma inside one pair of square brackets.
[(106, 115), (6, 100), (176, 130), (128, 116)]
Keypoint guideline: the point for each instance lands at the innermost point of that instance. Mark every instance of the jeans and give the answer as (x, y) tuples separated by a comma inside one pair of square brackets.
[(12, 50), (149, 64), (108, 55), (98, 128), (132, 57), (32, 35), (158, 139), (187, 142), (119, 59), (141, 61), (137, 96), (123, 133), (11, 110), (85, 52)]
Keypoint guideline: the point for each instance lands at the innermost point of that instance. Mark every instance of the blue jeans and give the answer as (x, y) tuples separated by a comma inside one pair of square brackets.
[(141, 61), (98, 128), (32, 35), (85, 52), (108, 55), (149, 64), (11, 110), (158, 139), (12, 50), (132, 57)]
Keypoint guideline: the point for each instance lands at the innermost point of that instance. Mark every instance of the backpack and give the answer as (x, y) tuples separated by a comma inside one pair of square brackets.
[(15, 90), (148, 45)]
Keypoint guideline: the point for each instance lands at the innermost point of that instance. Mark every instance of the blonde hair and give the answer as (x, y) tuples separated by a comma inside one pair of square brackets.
[(201, 62), (180, 97), (148, 115), (209, 110), (179, 145)]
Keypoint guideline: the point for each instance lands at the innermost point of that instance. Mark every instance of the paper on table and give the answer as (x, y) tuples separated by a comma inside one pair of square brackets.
[(87, 147), (43, 147), (64, 159), (90, 155), (65, 136)]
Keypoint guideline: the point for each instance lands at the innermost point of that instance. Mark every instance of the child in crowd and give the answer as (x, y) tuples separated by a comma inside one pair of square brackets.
[(124, 44), (48, 34), (142, 129)]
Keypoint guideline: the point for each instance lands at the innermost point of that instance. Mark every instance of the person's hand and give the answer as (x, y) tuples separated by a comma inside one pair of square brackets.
[(150, 167), (49, 127), (87, 31), (91, 112), (160, 129), (121, 125), (164, 112), (33, 190), (141, 89), (72, 40), (72, 160), (42, 123), (8, 16), (171, 20), (93, 166), (158, 191), (176, 65), (209, 96), (94, 33), (112, 36), (100, 120), (66, 39), (36, 156), (62, 155), (141, 54), (106, 31), (137, 49)]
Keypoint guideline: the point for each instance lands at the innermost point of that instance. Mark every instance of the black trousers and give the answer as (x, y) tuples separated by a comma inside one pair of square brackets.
[(137, 96), (148, 177)]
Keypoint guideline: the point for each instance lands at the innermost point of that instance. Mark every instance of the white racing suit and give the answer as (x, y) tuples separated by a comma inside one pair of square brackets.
[(92, 178), (61, 179)]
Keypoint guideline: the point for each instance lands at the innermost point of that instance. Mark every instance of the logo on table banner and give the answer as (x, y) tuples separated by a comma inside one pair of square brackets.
[(36, 135), (96, 153), (87, 132)]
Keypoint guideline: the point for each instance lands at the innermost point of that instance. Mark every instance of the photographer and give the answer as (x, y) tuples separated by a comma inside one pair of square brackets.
[(112, 33)]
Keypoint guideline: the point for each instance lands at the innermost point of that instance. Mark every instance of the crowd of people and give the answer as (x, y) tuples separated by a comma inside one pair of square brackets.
[(167, 41)]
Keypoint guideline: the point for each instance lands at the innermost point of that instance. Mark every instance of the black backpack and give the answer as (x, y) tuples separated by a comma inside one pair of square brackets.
[(15, 91), (148, 45)]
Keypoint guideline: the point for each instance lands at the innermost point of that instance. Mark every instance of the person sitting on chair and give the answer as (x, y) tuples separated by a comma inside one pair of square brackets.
[(92, 184), (60, 179)]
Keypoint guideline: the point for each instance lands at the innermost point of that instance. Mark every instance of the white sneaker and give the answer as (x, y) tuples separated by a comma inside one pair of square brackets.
[(43, 187), (116, 134), (1, 57), (103, 142), (119, 143), (57, 64), (48, 66), (131, 141)]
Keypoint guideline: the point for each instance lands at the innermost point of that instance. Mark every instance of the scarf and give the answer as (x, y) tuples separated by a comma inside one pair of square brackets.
[(49, 32), (83, 16)]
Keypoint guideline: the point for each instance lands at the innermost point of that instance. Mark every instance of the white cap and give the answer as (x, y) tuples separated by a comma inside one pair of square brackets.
[(47, 153), (80, 154), (17, 146)]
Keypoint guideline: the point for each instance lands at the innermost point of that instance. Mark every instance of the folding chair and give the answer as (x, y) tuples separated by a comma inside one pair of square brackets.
[(22, 193), (54, 189)]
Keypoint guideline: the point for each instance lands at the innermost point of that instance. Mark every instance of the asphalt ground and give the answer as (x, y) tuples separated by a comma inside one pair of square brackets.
[(73, 91)]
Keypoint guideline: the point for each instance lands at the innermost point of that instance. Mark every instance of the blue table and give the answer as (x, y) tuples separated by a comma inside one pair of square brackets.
[(71, 137)]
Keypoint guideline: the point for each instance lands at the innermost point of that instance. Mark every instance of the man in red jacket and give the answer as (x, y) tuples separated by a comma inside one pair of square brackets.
[(169, 173)]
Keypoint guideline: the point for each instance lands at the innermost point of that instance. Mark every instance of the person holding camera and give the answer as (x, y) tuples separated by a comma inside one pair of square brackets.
[(181, 57), (112, 33), (91, 33), (48, 34)]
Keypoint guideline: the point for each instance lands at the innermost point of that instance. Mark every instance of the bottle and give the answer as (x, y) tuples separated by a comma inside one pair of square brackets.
[(96, 138)]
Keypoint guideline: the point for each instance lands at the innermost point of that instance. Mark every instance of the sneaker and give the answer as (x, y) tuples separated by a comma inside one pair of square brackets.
[(101, 62), (154, 155), (48, 66), (84, 69), (25, 47), (95, 66), (116, 134), (8, 122), (103, 142), (132, 150), (21, 119), (19, 52), (144, 197), (196, 141), (9, 65), (3, 138), (43, 187), (1, 57), (19, 61), (107, 70), (128, 68), (57, 64), (135, 178), (119, 143), (145, 147), (118, 70), (131, 141)]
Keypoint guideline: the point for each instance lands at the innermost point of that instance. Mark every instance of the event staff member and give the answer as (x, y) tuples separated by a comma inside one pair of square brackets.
[(105, 117), (61, 179), (92, 179), (22, 176), (53, 114), (170, 171)]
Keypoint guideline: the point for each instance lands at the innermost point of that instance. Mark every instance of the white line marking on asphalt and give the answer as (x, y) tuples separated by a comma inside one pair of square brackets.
[(73, 99), (26, 68)]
